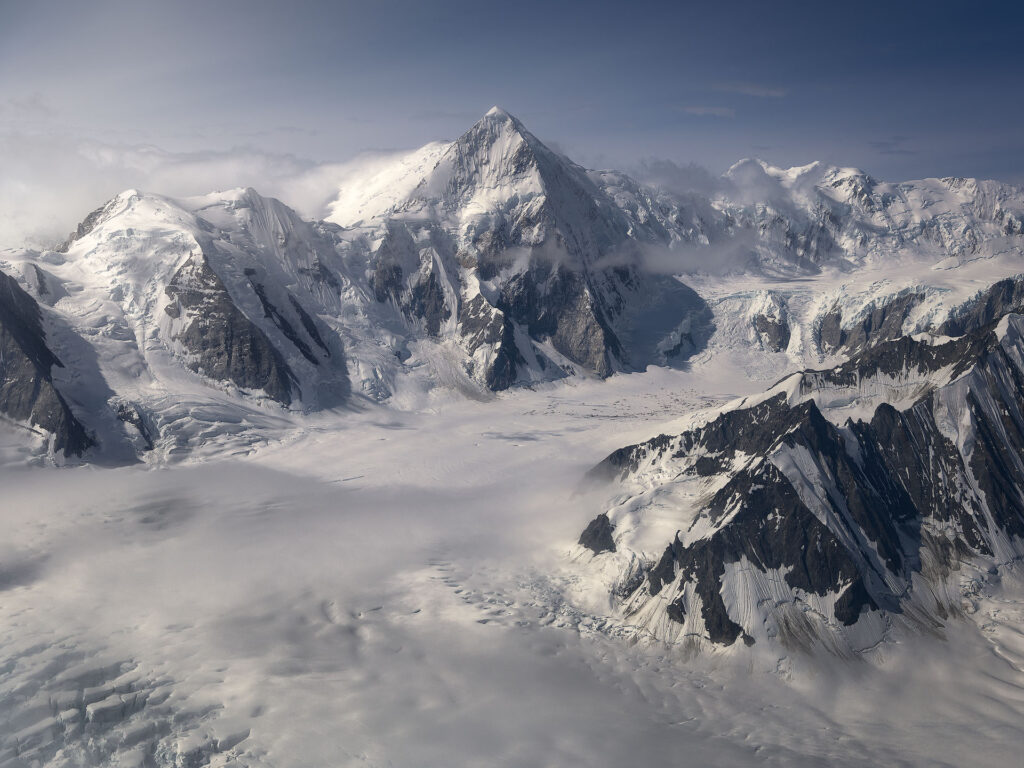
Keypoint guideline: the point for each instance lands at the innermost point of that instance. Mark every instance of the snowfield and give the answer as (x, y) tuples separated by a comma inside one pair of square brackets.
[(384, 588)]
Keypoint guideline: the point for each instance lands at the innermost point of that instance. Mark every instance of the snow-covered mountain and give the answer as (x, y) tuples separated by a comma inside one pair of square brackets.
[(524, 261), (154, 302), (504, 263), (478, 265), (838, 504), (814, 215), (417, 459)]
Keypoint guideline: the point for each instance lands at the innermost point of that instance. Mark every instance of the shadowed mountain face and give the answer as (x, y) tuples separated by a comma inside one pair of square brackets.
[(810, 531), (221, 341), (27, 391)]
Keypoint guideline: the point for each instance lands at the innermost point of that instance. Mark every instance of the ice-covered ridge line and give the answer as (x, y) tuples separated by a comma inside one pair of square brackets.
[(371, 187), (899, 374), (864, 515), (511, 265), (168, 312)]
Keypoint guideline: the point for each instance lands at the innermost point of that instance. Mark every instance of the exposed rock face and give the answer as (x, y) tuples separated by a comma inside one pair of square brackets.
[(1000, 298), (774, 332), (769, 315), (27, 391), (888, 319), (883, 323), (597, 537), (507, 247), (839, 525), (84, 228), (132, 415), (221, 341), (414, 286), (556, 304)]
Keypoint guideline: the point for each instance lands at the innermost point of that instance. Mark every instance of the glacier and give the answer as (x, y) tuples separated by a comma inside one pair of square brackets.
[(509, 461)]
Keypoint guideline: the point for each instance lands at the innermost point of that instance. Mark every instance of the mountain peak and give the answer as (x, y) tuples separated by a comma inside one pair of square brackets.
[(499, 113), (496, 158)]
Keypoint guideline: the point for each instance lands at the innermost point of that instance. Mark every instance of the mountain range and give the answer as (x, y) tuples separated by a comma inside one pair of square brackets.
[(880, 464)]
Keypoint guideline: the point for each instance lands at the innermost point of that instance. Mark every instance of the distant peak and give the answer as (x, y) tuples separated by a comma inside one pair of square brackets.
[(747, 168), (499, 113)]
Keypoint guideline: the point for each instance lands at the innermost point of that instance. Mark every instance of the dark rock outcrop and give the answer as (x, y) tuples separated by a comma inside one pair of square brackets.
[(852, 512), (132, 415), (774, 332), (414, 287), (557, 304), (222, 342), (27, 390), (597, 537), (84, 228), (284, 324), (999, 299), (883, 323)]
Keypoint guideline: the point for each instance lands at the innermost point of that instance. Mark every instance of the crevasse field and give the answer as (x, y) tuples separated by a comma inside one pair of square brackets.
[(401, 588)]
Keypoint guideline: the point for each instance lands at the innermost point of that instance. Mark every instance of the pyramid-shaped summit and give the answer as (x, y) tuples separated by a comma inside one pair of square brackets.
[(498, 178), (528, 258), (498, 112), (498, 159)]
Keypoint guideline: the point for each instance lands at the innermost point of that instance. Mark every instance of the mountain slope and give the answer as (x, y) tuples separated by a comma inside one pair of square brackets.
[(787, 519), (517, 255), (28, 393), (178, 316), (814, 215)]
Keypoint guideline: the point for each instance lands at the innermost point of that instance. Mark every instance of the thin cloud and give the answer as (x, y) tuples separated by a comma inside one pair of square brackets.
[(703, 111), (33, 107), (894, 145), (50, 182), (730, 255), (687, 179), (751, 89)]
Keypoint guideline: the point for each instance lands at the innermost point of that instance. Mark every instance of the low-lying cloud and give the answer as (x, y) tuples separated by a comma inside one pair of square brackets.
[(732, 254), (51, 182)]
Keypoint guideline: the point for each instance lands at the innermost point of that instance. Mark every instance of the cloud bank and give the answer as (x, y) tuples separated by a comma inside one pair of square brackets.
[(51, 182)]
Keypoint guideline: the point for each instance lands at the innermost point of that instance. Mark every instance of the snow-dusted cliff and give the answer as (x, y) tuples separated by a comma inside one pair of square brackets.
[(837, 505)]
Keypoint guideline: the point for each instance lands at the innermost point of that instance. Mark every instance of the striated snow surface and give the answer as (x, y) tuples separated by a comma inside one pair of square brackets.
[(393, 589)]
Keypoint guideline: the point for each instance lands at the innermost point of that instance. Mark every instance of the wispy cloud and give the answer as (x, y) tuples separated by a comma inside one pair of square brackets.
[(51, 181), (751, 89), (894, 145), (32, 106), (702, 111)]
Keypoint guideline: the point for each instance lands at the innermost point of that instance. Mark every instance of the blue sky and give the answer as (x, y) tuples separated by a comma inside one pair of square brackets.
[(903, 90)]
